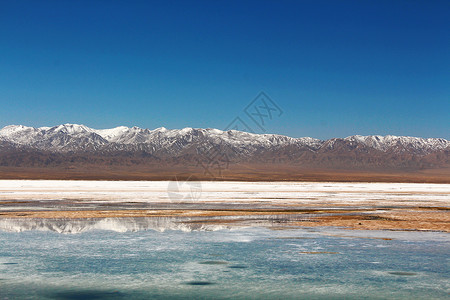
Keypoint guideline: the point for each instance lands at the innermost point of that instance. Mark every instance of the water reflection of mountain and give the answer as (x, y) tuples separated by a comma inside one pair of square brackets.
[(112, 224), (128, 224)]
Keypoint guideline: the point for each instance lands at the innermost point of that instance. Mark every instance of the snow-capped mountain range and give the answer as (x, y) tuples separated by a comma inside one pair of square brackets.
[(77, 151), (73, 138)]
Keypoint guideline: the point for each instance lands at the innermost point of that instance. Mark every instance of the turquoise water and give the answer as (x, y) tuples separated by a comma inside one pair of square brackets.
[(245, 263)]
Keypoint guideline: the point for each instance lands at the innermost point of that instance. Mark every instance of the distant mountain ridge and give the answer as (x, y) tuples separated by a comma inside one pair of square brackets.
[(74, 137), (75, 146)]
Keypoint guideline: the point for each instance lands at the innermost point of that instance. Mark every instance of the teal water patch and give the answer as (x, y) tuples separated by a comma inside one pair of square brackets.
[(255, 263)]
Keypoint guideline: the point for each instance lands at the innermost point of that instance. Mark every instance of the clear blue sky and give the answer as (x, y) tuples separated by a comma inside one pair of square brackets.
[(335, 68)]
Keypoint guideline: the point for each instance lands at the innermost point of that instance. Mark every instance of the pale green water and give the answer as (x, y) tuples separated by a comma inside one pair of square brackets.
[(252, 263)]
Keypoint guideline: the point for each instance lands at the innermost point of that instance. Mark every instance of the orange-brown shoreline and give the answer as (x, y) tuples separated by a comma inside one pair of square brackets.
[(408, 218)]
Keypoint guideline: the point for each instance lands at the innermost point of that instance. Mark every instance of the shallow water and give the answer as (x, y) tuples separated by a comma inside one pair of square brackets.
[(244, 263)]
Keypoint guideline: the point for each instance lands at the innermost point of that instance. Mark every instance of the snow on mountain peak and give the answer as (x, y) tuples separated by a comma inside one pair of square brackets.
[(185, 130), (400, 143), (19, 134), (71, 129), (11, 129), (111, 135)]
